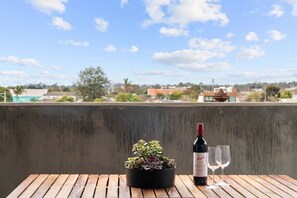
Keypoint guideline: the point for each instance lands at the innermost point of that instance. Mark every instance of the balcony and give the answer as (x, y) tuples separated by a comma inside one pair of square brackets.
[(97, 138)]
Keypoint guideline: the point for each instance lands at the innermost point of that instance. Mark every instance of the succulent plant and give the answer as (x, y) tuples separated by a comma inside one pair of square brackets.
[(149, 156)]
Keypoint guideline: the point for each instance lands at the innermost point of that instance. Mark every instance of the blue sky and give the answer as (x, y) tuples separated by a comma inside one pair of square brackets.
[(148, 41)]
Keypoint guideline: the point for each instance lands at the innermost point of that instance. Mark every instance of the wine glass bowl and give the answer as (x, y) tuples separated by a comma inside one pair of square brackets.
[(214, 156), (224, 160)]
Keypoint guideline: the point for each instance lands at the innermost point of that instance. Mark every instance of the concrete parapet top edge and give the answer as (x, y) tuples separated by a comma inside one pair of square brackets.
[(119, 104)]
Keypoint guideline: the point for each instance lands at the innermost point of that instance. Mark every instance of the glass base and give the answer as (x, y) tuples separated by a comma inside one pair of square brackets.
[(222, 184), (212, 187)]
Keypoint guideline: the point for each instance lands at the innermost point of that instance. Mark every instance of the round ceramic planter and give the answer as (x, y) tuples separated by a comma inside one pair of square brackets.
[(163, 178)]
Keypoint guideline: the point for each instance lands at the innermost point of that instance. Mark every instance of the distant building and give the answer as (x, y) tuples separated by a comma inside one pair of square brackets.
[(29, 95), (208, 96), (292, 90)]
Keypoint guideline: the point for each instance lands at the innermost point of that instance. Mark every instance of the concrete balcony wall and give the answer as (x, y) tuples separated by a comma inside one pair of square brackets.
[(97, 138)]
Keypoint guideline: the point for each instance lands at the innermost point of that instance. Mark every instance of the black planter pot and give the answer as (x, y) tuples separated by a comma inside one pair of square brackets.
[(163, 178)]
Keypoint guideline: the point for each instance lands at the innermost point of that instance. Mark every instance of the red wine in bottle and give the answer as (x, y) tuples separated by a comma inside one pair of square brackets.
[(200, 155)]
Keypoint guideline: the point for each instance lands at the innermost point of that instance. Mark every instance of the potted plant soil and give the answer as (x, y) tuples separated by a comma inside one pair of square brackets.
[(149, 168)]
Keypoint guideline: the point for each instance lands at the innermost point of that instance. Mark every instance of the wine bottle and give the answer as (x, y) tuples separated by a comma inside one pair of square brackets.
[(200, 155)]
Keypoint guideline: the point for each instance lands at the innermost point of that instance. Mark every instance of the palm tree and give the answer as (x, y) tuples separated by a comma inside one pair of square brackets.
[(18, 90), (127, 84)]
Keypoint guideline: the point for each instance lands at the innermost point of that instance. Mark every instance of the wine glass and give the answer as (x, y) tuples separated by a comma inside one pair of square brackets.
[(224, 161), (214, 156)]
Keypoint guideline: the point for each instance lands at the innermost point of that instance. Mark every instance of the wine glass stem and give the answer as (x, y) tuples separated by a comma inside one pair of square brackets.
[(213, 172), (222, 172)]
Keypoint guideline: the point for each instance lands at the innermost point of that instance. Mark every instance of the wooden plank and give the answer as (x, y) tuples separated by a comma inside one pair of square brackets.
[(34, 186), (67, 187), (90, 186), (23, 186), (247, 186), (285, 182), (42, 190), (206, 191), (279, 185), (270, 186), (79, 186), (238, 187), (196, 192), (148, 193), (182, 189), (112, 191), (101, 186), (228, 188), (56, 187), (160, 193), (260, 187), (172, 192), (136, 192), (289, 179), (124, 190), (219, 191)]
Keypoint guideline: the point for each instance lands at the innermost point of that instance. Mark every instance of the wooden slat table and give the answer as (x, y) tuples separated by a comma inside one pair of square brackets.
[(114, 186)]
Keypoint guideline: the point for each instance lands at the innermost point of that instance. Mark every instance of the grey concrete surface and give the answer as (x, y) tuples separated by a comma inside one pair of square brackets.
[(97, 138)]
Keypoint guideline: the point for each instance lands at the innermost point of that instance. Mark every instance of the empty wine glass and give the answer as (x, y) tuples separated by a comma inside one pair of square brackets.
[(214, 156), (224, 161)]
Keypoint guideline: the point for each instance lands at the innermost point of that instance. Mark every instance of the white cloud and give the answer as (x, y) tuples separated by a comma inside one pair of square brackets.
[(252, 52), (75, 43), (49, 6), (133, 49), (276, 35), (251, 36), (293, 3), (161, 73), (175, 32), (20, 61), (123, 3), (48, 75), (184, 12), (61, 24), (110, 48), (191, 59), (276, 11), (18, 74), (213, 44), (230, 35), (55, 67), (101, 25)]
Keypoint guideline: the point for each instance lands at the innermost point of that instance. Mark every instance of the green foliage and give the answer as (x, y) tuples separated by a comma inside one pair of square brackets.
[(175, 96), (255, 97), (127, 85), (272, 93), (126, 97), (193, 92), (286, 94), (18, 90), (160, 96), (33, 100), (66, 89), (8, 95), (91, 84), (65, 99), (99, 100), (149, 156)]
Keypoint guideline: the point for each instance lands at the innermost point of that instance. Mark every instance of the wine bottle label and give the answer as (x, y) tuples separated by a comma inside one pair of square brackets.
[(200, 164)]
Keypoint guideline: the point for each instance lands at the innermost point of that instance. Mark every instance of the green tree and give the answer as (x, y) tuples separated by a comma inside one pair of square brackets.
[(255, 97), (193, 92), (175, 96), (286, 94), (66, 89), (272, 93), (65, 99), (91, 84), (160, 96), (18, 90), (126, 97), (8, 95)]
